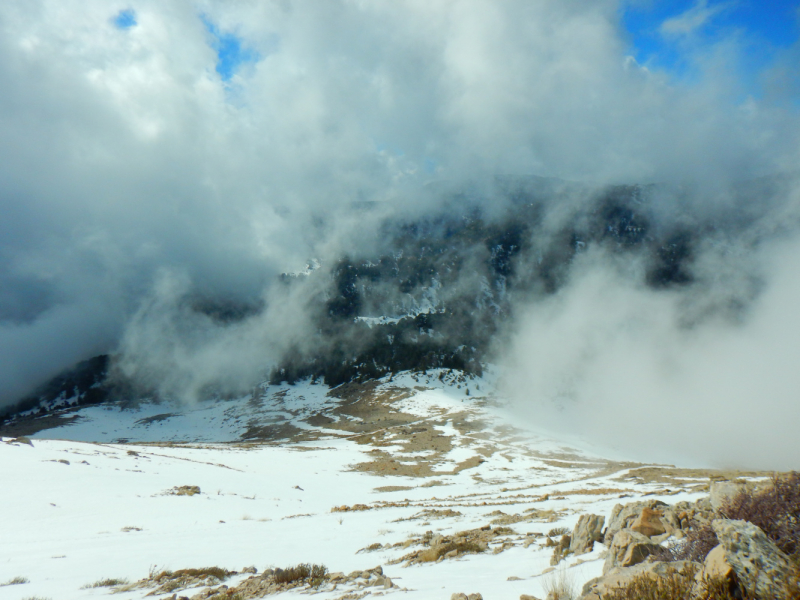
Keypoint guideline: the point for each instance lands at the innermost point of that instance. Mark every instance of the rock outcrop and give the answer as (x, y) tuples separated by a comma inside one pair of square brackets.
[(588, 530), (760, 566), (721, 492), (623, 516), (649, 523), (629, 548), (596, 589)]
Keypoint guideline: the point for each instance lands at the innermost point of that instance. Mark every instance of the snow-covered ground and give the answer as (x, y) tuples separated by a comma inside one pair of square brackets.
[(80, 507)]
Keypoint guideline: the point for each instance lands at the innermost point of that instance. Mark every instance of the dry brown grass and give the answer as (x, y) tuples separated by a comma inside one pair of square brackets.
[(684, 586), (110, 582), (184, 490), (314, 574), (433, 554), (560, 585)]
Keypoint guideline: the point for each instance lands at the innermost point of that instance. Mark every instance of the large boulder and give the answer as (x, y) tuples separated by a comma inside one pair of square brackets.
[(600, 587), (721, 492), (715, 567), (649, 522), (760, 566), (629, 548), (623, 516), (588, 530)]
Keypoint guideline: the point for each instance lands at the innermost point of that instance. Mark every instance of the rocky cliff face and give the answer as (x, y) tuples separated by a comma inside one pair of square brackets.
[(445, 286), (440, 289)]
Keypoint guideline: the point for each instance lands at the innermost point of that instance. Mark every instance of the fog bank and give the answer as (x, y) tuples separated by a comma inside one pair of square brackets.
[(187, 155)]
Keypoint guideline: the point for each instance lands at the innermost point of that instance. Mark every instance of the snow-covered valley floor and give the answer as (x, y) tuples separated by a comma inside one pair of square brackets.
[(279, 474)]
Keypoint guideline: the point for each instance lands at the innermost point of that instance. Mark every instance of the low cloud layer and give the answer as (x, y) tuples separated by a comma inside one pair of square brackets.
[(137, 174), (613, 362)]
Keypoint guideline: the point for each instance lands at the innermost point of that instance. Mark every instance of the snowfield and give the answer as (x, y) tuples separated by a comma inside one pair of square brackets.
[(415, 452)]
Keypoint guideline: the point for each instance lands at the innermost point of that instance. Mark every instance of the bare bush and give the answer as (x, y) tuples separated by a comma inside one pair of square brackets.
[(776, 511), (699, 541)]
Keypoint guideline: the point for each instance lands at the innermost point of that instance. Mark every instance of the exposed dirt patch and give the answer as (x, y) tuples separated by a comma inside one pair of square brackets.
[(435, 548), (433, 483), (157, 418), (432, 513), (697, 478), (30, 425), (271, 433), (385, 464)]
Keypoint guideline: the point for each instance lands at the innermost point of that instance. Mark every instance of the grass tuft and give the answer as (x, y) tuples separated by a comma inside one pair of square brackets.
[(558, 532), (316, 574), (110, 582), (560, 585), (15, 581), (433, 554)]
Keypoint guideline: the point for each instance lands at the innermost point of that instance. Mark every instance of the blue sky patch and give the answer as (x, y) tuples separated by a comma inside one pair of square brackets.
[(661, 31), (231, 54), (125, 19)]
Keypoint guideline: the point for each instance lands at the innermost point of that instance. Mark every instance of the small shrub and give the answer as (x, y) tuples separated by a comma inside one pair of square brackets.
[(316, 574), (15, 581), (699, 541), (776, 511), (558, 532), (679, 586), (560, 586), (676, 586), (157, 572)]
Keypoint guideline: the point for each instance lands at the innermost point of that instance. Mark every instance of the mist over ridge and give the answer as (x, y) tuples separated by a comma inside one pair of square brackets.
[(164, 212)]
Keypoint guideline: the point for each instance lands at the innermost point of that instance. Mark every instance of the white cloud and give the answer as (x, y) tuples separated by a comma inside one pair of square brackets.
[(693, 19), (122, 154), (610, 361)]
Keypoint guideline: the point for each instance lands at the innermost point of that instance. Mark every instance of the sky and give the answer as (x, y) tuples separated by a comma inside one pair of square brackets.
[(152, 152), (659, 31)]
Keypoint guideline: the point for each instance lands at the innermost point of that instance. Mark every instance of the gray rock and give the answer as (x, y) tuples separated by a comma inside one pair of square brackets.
[(715, 566), (623, 516), (722, 491), (597, 588), (588, 530), (758, 563), (629, 548)]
